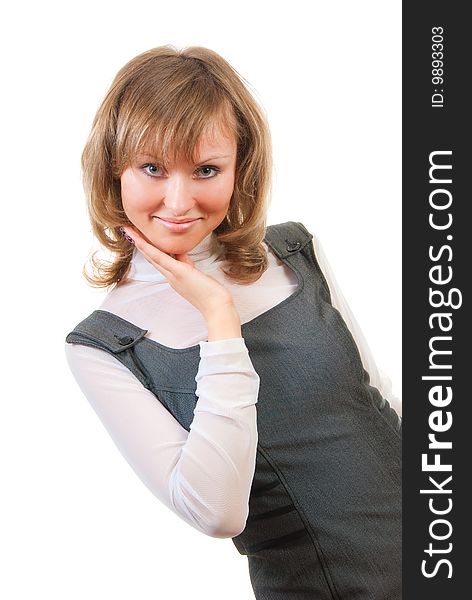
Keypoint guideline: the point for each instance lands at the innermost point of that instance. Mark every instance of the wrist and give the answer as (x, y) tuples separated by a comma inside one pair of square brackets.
[(224, 323)]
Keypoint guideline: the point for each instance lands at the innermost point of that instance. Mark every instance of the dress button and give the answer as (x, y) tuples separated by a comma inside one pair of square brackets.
[(125, 340), (293, 245)]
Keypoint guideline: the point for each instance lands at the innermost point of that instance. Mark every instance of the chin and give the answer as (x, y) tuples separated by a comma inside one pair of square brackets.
[(177, 246)]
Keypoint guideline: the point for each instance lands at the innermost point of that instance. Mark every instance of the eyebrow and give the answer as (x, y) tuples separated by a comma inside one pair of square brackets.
[(200, 162), (212, 158)]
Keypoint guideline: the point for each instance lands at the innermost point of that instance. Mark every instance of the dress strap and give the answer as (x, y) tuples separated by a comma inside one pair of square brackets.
[(106, 331), (287, 238)]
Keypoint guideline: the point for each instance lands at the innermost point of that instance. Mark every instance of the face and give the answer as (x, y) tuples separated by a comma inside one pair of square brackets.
[(176, 208)]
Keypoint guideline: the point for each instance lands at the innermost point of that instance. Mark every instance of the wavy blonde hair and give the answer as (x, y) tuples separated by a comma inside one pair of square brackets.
[(164, 100)]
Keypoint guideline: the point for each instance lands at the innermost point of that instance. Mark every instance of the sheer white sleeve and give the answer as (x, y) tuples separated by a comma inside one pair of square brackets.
[(377, 377), (204, 475)]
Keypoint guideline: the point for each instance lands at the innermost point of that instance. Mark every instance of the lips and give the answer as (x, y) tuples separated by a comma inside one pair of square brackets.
[(177, 226), (177, 220)]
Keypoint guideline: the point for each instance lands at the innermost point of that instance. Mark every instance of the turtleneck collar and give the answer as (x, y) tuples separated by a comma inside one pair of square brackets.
[(142, 270)]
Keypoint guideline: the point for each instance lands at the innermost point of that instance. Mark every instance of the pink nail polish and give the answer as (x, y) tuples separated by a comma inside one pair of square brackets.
[(126, 236)]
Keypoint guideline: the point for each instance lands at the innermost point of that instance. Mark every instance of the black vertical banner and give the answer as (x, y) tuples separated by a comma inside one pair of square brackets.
[(437, 267)]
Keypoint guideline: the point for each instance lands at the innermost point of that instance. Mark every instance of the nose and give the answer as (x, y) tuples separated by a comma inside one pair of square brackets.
[(179, 195)]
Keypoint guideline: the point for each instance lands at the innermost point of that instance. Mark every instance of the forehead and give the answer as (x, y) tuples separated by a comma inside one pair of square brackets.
[(217, 139)]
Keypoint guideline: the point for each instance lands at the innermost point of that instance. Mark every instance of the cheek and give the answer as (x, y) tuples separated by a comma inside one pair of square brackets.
[(221, 195), (127, 188), (134, 195)]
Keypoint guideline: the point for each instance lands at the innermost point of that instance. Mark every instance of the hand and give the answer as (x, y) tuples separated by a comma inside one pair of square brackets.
[(202, 291)]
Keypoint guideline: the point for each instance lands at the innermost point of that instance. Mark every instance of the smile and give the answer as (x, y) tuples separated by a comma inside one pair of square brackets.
[(177, 226)]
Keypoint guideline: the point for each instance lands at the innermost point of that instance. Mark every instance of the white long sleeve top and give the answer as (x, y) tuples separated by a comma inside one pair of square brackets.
[(204, 475)]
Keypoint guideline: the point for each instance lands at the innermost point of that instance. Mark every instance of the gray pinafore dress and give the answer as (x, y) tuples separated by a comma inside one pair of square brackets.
[(325, 506)]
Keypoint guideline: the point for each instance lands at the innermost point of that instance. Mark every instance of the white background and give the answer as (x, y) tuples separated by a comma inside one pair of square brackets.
[(76, 522)]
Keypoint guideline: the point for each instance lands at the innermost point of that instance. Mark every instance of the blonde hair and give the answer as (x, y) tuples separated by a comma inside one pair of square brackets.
[(164, 100)]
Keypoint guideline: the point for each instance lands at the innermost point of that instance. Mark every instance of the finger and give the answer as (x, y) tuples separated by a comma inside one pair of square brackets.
[(143, 245), (163, 262), (152, 254), (184, 258)]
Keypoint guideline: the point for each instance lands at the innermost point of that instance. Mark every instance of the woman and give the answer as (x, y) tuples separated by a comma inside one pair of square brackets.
[(211, 312)]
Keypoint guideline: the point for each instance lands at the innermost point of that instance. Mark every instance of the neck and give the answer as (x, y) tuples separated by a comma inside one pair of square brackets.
[(201, 256)]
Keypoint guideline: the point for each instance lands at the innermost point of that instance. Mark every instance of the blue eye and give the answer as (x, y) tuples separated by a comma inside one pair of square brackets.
[(152, 170), (207, 172)]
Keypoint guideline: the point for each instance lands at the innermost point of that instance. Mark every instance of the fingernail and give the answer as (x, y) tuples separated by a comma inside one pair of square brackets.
[(125, 234)]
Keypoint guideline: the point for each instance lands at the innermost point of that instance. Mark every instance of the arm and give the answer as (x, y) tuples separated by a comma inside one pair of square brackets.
[(377, 378), (204, 475)]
